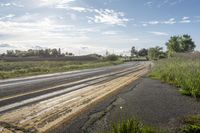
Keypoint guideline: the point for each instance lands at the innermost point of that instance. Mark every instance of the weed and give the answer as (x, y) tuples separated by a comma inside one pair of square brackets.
[(182, 71)]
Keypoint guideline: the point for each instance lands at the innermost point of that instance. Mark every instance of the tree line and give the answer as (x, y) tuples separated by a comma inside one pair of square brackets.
[(38, 53), (176, 44)]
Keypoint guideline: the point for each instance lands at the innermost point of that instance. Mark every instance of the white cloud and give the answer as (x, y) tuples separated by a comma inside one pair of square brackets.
[(169, 3), (109, 17), (134, 39), (58, 3), (110, 33), (149, 4), (43, 30), (170, 21), (185, 20), (144, 25), (159, 33), (11, 4), (4, 45), (79, 9), (9, 16), (154, 22), (176, 2)]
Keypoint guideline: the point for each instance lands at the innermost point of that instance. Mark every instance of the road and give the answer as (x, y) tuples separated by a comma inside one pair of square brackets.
[(24, 85), (38, 103)]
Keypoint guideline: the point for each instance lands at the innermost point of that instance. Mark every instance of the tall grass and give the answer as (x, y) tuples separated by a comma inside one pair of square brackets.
[(191, 124), (133, 126), (20, 69), (183, 70)]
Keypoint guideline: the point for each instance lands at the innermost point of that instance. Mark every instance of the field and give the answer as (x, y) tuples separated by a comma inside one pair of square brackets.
[(183, 70), (29, 68)]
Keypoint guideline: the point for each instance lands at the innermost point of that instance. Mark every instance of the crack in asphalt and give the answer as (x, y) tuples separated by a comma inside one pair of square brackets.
[(97, 116)]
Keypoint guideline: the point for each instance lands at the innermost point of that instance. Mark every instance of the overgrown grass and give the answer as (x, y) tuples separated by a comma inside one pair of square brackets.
[(191, 125), (183, 70), (133, 126), (20, 69)]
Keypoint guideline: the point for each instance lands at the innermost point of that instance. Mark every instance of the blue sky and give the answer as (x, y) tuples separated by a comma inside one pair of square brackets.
[(94, 26)]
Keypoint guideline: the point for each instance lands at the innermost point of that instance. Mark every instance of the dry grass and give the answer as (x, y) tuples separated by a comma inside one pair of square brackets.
[(183, 70), (20, 69)]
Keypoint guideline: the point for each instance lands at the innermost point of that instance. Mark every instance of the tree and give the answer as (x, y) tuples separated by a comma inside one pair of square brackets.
[(10, 53), (112, 57), (134, 51), (143, 52), (187, 44), (54, 52), (155, 53), (180, 44)]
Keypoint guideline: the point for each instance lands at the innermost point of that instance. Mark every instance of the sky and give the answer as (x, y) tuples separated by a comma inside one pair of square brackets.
[(95, 26)]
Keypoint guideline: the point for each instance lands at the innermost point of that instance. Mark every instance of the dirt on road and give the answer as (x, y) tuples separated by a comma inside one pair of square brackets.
[(154, 103), (47, 115)]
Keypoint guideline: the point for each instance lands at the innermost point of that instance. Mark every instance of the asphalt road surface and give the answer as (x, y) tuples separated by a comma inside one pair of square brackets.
[(154, 103), (41, 103), (18, 92)]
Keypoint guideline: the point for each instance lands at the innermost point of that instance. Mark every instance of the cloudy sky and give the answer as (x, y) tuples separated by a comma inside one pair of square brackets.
[(94, 26)]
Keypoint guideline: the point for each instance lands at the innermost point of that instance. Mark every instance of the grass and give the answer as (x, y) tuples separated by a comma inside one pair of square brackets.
[(30, 68), (183, 70), (191, 124), (133, 126)]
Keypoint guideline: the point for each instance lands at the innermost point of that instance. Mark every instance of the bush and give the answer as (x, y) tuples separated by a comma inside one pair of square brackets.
[(112, 57), (191, 124), (132, 126), (182, 71)]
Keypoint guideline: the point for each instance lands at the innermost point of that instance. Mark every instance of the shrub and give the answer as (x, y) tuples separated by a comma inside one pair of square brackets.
[(132, 126), (191, 124), (182, 71), (112, 57)]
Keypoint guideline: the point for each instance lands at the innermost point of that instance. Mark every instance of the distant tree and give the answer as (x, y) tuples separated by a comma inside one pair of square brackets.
[(10, 53), (133, 52), (155, 53), (112, 57), (143, 52), (54, 52), (59, 52), (32, 52), (41, 52), (47, 52), (69, 54), (107, 53), (178, 44)]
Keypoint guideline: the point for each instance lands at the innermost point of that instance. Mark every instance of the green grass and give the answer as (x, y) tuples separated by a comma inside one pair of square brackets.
[(182, 71), (132, 126), (191, 124), (21, 69)]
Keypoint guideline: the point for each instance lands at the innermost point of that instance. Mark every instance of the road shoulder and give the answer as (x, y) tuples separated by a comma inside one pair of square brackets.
[(151, 101)]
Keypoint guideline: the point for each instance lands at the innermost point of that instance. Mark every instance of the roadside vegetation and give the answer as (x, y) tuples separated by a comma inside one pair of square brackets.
[(190, 124), (20, 69), (17, 63), (182, 67), (133, 126), (182, 70)]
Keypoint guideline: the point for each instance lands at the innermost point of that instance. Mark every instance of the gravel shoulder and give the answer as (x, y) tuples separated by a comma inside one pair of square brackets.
[(151, 101)]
